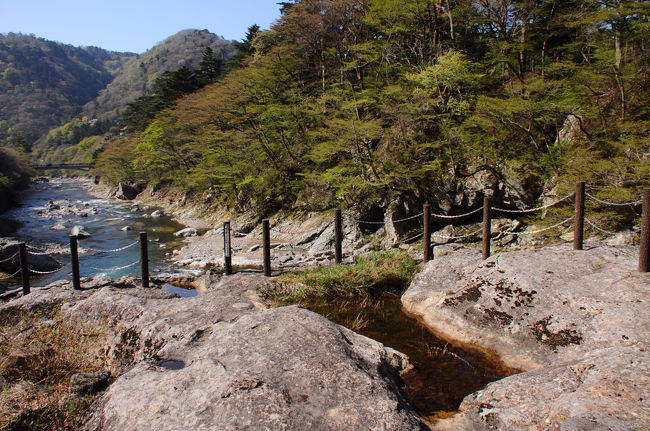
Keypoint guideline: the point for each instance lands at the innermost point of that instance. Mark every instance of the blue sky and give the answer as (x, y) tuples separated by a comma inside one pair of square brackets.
[(135, 25)]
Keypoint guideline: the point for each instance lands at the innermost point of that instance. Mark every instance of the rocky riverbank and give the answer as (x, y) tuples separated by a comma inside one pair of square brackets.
[(222, 360), (575, 321)]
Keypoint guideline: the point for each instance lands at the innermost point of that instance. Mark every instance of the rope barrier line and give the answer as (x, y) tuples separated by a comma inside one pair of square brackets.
[(457, 216), (45, 272), (467, 235), (10, 276), (408, 218), (545, 229), (530, 210), (606, 232), (365, 222), (9, 258), (116, 269), (115, 250), (37, 253), (614, 204), (404, 241)]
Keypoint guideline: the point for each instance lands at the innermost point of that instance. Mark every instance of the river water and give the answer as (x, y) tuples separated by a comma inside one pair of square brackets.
[(49, 210)]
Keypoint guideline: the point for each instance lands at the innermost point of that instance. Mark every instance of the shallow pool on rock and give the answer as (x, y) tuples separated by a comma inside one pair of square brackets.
[(442, 374)]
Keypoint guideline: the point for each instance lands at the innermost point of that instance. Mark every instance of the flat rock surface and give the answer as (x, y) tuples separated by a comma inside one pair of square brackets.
[(576, 321), (221, 360), (284, 368)]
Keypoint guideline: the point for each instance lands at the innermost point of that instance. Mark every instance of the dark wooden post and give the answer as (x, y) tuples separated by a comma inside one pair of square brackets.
[(578, 231), (24, 267), (487, 226), (644, 247), (267, 247), (227, 250), (144, 258), (426, 239), (74, 257), (338, 236)]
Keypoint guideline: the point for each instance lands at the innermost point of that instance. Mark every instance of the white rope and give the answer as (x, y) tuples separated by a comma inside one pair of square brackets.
[(115, 250), (412, 238), (614, 204), (459, 215), (116, 269), (281, 233), (365, 222), (408, 218), (37, 253), (11, 275), (437, 235), (530, 210), (45, 272), (606, 232), (9, 258), (543, 230)]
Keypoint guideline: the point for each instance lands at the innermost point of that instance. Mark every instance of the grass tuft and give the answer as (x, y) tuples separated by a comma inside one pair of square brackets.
[(37, 358), (370, 274)]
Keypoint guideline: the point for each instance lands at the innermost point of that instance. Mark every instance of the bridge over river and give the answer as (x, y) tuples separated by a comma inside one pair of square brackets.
[(67, 166)]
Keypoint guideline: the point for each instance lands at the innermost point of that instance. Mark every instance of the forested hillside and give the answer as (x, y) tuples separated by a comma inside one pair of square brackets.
[(378, 102), (14, 175), (140, 77), (44, 83)]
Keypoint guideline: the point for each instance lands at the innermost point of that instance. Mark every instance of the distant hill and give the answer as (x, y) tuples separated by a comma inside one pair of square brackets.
[(44, 83), (137, 74), (54, 95)]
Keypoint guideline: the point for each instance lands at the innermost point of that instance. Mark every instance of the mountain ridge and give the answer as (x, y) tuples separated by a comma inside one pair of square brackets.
[(46, 85)]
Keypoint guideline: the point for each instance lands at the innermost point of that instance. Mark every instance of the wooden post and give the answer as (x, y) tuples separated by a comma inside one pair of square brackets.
[(338, 236), (74, 257), (24, 267), (426, 239), (644, 247), (144, 258), (578, 231), (267, 247), (227, 249), (487, 227)]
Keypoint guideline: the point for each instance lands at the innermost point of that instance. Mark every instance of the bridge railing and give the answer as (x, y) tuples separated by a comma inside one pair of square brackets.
[(62, 166)]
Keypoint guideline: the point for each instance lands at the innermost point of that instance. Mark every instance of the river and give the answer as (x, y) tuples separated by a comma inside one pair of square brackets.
[(49, 210)]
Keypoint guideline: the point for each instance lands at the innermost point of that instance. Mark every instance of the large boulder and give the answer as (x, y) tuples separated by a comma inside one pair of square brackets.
[(284, 368), (127, 192), (221, 360), (576, 321)]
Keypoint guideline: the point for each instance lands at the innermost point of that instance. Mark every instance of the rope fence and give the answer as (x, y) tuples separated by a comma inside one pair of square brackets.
[(538, 231), (578, 219), (9, 258), (614, 204), (593, 225), (117, 250), (426, 216), (11, 276), (25, 270), (119, 268), (45, 272), (531, 210), (37, 253)]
